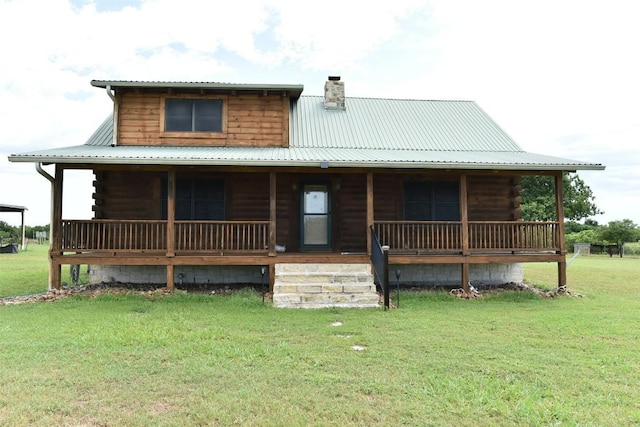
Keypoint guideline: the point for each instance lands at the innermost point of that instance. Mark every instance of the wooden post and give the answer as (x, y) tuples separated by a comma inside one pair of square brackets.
[(272, 214), (562, 274), (55, 244), (464, 214), (560, 213), (272, 276), (465, 277), (464, 219), (170, 277), (171, 218), (370, 217), (22, 232), (562, 265)]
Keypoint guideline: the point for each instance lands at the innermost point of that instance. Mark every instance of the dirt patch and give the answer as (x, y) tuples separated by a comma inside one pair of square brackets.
[(151, 290), (522, 287)]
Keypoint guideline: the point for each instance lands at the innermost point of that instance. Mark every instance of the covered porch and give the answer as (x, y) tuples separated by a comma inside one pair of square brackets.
[(172, 243)]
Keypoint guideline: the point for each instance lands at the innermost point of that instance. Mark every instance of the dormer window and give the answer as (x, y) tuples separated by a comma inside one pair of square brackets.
[(193, 115)]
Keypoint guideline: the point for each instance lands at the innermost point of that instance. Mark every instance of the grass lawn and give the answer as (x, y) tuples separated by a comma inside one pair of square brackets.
[(188, 359)]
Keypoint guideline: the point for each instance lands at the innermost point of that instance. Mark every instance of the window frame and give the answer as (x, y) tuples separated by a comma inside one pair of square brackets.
[(193, 134), (192, 198), (434, 201)]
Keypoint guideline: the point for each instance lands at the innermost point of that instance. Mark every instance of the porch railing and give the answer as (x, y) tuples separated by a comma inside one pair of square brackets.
[(484, 236), (113, 235), (491, 236), (434, 236), (151, 235), (222, 236), (253, 236)]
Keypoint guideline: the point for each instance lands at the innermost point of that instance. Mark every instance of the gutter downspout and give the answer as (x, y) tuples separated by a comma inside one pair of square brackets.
[(114, 142), (52, 180)]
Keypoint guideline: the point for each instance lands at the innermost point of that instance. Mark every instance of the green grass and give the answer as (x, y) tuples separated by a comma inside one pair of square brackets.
[(27, 272), (187, 359)]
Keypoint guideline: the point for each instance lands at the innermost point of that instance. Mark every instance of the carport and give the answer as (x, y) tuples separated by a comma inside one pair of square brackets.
[(21, 209)]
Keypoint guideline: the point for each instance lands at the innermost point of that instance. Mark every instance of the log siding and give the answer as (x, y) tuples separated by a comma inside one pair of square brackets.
[(249, 120)]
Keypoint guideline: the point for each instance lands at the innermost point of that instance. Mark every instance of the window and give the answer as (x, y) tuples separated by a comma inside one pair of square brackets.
[(196, 199), (431, 201), (193, 115)]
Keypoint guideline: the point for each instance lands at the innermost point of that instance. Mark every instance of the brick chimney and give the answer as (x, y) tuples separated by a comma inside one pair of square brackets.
[(334, 94)]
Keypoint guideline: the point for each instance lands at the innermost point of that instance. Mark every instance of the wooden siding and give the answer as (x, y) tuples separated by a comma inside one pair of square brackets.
[(387, 197), (247, 196), (248, 120), (351, 213), (127, 195), (287, 221), (137, 195), (491, 198)]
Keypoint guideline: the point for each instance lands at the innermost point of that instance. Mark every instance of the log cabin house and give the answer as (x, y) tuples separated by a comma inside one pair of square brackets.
[(242, 183)]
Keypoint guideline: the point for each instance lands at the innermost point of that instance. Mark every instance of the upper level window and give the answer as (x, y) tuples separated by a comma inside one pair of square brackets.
[(431, 201), (193, 115)]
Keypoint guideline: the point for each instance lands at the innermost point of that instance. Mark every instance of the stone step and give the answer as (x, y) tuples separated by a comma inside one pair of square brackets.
[(323, 277), (324, 285), (320, 300), (325, 268), (313, 288)]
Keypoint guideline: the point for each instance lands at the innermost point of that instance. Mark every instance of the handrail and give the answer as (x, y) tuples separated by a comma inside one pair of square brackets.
[(380, 262)]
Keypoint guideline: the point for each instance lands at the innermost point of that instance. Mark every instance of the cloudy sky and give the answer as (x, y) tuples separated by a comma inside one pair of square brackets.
[(561, 77)]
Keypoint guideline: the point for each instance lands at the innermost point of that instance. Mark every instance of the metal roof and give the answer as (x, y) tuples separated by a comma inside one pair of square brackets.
[(396, 124), (12, 208), (293, 90), (382, 133)]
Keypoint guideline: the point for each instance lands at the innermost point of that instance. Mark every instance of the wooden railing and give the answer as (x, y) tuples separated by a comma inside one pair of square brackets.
[(433, 236), (484, 236), (222, 236), (253, 236), (113, 235), (151, 235), (489, 236)]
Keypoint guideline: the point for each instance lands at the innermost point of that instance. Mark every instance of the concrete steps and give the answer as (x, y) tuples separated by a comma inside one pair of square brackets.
[(324, 285)]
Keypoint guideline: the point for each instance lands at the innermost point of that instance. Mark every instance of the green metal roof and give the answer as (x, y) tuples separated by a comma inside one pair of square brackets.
[(396, 124), (381, 133)]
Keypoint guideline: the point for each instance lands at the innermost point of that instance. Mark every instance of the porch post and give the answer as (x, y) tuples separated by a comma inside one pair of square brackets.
[(55, 231), (272, 215), (562, 265), (22, 232), (464, 219), (370, 218), (464, 214), (171, 217), (464, 277)]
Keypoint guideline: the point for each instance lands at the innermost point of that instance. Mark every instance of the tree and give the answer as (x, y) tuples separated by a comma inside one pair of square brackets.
[(539, 201), (620, 232)]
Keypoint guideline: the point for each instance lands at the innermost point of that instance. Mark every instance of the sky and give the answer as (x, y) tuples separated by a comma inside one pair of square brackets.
[(561, 77)]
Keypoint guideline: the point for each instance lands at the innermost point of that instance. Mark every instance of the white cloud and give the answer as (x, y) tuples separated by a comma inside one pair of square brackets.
[(559, 77)]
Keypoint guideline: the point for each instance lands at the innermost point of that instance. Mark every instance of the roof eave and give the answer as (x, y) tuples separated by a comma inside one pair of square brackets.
[(293, 90), (307, 163)]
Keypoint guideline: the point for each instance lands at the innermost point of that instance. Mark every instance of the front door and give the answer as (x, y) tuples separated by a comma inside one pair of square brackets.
[(316, 216)]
